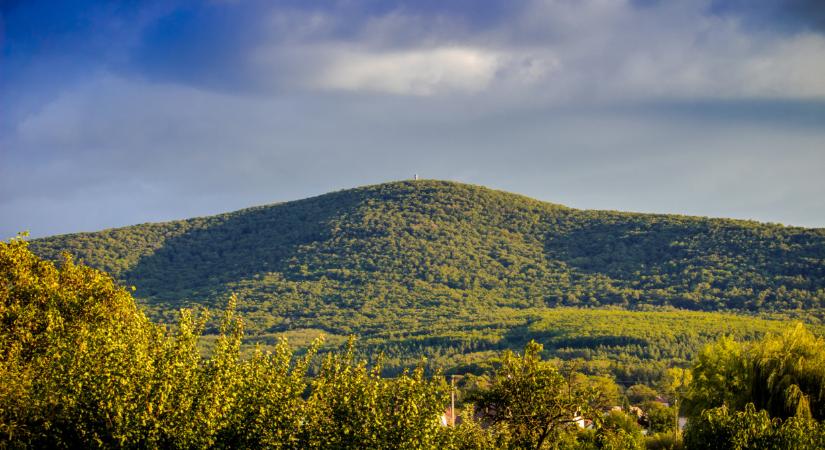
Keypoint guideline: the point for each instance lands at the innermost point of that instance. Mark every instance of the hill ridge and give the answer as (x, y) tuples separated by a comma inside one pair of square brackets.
[(426, 181), (450, 270), (432, 242)]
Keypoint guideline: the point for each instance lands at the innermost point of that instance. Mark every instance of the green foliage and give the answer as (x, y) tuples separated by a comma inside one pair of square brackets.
[(663, 441), (617, 431), (720, 377), (470, 433), (788, 374), (639, 393), (351, 406), (431, 241), (75, 354), (269, 412), (660, 418), (721, 428), (456, 273), (537, 402), (617, 420), (765, 394), (83, 368), (619, 439), (783, 374)]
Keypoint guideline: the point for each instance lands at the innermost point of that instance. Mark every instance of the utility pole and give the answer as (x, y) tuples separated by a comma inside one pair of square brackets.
[(452, 381), (676, 406), (452, 396)]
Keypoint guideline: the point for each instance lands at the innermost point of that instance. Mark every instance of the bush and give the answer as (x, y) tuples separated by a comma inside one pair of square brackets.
[(82, 367), (719, 428), (660, 418), (639, 393), (663, 441)]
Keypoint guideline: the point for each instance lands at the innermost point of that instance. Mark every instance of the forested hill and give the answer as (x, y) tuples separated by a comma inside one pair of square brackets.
[(436, 245)]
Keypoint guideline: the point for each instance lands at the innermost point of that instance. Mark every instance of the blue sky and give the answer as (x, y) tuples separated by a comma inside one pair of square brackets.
[(115, 113)]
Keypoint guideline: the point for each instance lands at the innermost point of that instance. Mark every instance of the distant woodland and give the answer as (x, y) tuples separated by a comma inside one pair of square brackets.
[(456, 273)]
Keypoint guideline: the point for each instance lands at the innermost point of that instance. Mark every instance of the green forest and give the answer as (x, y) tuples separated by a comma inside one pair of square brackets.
[(456, 273), (84, 367)]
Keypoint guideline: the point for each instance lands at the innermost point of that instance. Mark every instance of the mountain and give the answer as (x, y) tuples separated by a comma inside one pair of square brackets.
[(409, 258)]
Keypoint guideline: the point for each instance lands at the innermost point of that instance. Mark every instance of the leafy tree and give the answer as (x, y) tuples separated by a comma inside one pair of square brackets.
[(533, 399), (83, 368), (788, 374), (721, 377), (721, 428), (783, 374), (660, 418), (639, 393), (351, 406)]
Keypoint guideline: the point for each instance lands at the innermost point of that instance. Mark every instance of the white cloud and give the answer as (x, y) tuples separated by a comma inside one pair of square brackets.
[(791, 68), (415, 72)]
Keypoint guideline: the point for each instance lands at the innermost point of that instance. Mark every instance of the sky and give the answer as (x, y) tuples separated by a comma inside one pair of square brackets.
[(124, 112)]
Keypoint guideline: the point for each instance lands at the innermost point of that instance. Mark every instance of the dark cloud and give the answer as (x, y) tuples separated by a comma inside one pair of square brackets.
[(803, 114), (782, 15), (209, 44)]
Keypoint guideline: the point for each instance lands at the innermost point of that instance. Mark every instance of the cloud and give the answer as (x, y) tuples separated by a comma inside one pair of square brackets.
[(116, 151), (415, 72), (539, 50), (549, 51), (788, 16), (199, 108)]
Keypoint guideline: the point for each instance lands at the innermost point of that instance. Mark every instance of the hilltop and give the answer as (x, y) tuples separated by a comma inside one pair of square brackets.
[(424, 258), (416, 243)]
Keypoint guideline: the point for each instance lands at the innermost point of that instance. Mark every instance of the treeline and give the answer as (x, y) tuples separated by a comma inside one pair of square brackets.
[(82, 367), (630, 346), (458, 273), (377, 250)]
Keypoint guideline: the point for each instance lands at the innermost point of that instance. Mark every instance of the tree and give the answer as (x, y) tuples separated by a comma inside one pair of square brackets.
[(352, 406), (788, 374), (783, 374), (722, 428), (660, 418), (75, 355), (82, 367), (720, 377), (639, 393), (534, 399)]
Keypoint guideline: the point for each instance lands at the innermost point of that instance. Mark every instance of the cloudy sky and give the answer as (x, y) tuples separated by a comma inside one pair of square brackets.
[(115, 113)]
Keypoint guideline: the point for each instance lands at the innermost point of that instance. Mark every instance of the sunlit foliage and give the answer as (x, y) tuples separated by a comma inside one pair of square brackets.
[(763, 394), (82, 367)]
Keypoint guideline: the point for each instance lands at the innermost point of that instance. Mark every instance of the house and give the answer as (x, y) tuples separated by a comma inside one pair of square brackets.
[(581, 422), (449, 418)]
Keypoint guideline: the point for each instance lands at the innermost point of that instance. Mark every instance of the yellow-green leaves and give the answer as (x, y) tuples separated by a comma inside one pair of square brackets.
[(83, 368)]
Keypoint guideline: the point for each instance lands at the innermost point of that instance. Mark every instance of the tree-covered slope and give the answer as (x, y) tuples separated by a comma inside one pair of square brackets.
[(453, 271), (426, 243)]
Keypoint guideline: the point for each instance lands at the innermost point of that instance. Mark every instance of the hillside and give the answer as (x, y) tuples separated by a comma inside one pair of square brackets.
[(433, 258)]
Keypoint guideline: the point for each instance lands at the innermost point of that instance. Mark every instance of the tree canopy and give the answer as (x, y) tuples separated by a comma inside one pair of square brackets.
[(454, 272)]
